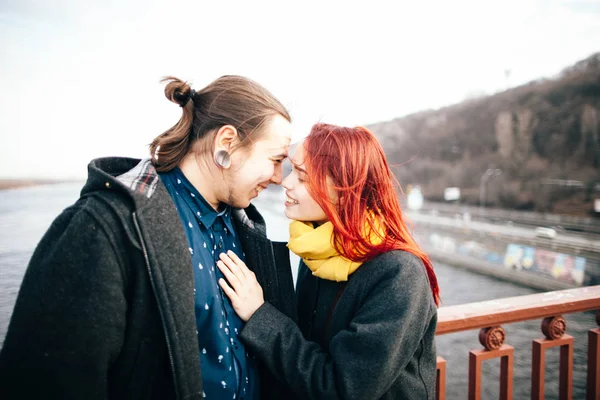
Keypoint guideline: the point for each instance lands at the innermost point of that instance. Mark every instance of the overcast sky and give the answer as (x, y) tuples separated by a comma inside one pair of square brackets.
[(80, 79)]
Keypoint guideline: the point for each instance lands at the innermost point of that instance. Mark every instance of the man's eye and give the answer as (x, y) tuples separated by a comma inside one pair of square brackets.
[(278, 161)]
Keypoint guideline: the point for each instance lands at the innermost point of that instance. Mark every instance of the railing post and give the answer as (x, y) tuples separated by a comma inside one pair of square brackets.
[(593, 370), (554, 330), (506, 374), (440, 392), (493, 341)]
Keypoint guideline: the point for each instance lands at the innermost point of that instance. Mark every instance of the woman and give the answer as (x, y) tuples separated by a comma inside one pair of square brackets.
[(120, 299), (366, 293)]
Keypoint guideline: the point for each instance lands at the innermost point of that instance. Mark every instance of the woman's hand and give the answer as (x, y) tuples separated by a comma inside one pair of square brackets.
[(245, 292)]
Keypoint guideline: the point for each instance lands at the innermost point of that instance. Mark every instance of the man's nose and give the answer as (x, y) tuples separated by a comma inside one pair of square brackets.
[(277, 175)]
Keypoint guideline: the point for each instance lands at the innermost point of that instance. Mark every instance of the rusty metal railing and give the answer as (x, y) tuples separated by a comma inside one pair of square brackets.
[(488, 316)]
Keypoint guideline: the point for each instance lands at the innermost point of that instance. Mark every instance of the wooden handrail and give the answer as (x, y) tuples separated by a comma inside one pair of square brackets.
[(514, 309)]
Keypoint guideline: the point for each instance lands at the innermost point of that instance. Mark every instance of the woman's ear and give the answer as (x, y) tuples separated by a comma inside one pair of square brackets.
[(335, 195)]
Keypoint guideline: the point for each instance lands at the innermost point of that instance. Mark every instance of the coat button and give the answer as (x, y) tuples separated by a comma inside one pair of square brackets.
[(107, 184)]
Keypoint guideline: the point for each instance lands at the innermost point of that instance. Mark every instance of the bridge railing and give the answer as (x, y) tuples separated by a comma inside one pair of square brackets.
[(489, 316), (583, 224)]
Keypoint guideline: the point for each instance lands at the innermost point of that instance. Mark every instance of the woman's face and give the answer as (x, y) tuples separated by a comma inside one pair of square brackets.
[(299, 205)]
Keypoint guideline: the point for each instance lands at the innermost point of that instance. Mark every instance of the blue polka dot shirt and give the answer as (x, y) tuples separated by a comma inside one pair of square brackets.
[(228, 372)]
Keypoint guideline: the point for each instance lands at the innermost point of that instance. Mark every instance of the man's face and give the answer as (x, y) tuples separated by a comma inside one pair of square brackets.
[(255, 168)]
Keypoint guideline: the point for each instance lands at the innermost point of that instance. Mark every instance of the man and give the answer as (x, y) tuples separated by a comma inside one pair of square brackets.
[(120, 299)]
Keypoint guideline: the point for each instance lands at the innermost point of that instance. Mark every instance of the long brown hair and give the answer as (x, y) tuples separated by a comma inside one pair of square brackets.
[(355, 162), (229, 100)]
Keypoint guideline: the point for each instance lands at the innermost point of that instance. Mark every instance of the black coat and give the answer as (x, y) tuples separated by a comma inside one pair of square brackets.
[(370, 338), (106, 307)]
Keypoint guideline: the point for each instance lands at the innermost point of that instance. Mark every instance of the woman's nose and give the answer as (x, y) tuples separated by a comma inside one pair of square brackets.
[(286, 182)]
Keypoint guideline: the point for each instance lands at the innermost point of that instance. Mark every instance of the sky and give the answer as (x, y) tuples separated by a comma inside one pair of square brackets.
[(80, 79)]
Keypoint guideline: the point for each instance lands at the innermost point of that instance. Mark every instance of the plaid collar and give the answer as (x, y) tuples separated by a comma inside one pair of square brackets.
[(142, 178)]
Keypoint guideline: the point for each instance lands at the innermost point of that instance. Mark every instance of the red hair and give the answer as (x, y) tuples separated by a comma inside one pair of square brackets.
[(355, 162)]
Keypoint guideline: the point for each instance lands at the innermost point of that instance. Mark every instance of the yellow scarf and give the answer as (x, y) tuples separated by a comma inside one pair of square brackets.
[(314, 246)]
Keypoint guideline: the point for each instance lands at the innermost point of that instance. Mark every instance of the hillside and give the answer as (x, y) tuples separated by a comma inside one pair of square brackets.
[(544, 136)]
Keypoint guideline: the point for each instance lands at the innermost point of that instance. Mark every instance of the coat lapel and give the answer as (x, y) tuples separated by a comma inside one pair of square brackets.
[(268, 260), (251, 227), (172, 278)]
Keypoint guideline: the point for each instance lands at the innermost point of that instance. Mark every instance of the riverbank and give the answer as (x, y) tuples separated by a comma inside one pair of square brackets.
[(510, 252), (6, 184)]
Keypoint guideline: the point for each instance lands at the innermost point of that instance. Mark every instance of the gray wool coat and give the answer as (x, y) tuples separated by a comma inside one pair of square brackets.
[(106, 307), (370, 338)]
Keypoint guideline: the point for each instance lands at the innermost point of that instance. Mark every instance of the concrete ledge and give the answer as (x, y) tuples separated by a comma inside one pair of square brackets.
[(498, 271)]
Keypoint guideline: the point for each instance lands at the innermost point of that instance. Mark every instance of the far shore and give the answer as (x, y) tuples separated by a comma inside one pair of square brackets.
[(6, 184)]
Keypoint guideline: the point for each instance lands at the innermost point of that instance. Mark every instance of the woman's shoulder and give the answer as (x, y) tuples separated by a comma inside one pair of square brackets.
[(395, 260), (398, 265), (396, 257), (397, 276)]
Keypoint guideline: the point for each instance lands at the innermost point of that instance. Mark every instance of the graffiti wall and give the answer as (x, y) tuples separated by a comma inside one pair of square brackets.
[(562, 267)]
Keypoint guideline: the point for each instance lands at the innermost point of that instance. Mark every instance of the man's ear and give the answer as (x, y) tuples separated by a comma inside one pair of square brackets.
[(226, 137)]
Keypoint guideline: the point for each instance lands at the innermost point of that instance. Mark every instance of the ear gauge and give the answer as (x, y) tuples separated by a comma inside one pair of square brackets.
[(222, 159)]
